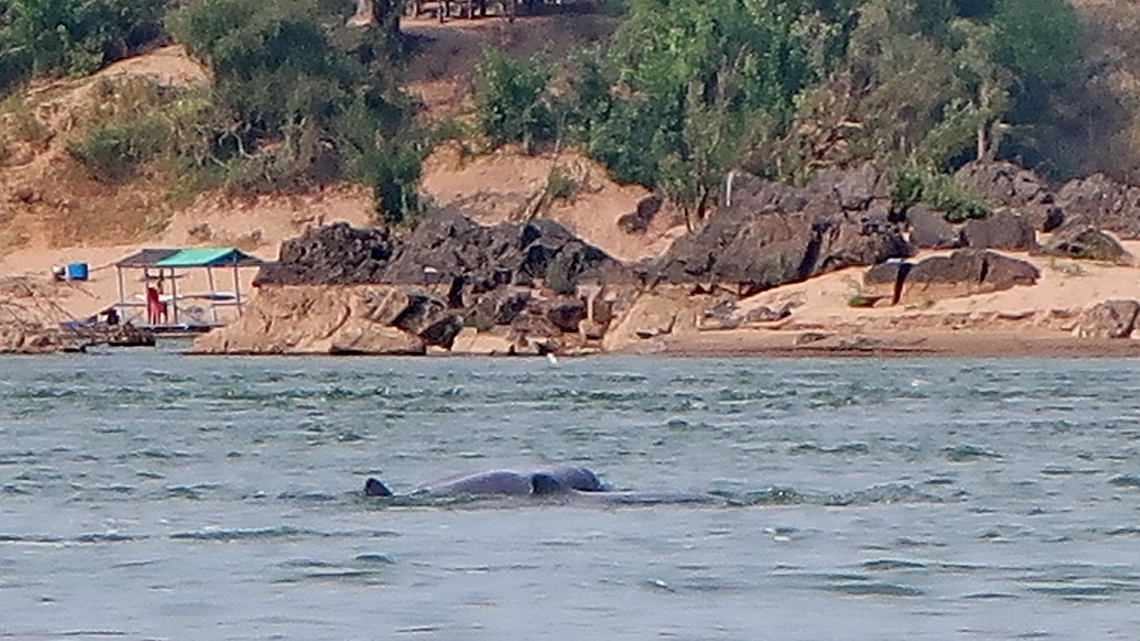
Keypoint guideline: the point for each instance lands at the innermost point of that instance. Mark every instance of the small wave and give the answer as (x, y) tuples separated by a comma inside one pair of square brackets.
[(874, 588), (280, 531), (845, 449), (1074, 590), (29, 538), (892, 564), (968, 453), (1125, 480), (876, 494), (990, 596), (109, 537)]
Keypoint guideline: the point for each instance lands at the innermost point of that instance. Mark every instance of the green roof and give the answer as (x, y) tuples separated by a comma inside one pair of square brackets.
[(208, 257)]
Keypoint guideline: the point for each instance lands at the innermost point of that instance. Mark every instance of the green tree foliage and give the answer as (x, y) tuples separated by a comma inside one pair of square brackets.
[(302, 103), (513, 101), (695, 86), (72, 37), (939, 82)]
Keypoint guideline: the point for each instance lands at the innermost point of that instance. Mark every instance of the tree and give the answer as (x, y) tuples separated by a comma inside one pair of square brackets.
[(697, 85), (74, 37)]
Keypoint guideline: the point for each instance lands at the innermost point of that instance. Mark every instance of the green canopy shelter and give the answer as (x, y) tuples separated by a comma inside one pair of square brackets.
[(159, 265)]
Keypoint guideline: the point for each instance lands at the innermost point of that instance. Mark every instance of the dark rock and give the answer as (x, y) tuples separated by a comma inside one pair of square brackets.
[(964, 273), (442, 332), (422, 312), (565, 313), (1022, 190), (929, 229), (638, 222), (765, 196), (1001, 230), (1110, 319), (444, 249), (856, 188), (1104, 203), (533, 323), (760, 242), (499, 307), (333, 255), (1087, 243), (886, 280)]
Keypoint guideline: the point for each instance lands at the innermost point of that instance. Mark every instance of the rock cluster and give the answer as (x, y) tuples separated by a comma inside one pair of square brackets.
[(393, 320), (448, 249), (1078, 215), (964, 273), (770, 234), (1017, 190)]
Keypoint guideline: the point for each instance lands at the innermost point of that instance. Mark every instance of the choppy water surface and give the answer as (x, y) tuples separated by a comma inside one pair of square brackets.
[(148, 495)]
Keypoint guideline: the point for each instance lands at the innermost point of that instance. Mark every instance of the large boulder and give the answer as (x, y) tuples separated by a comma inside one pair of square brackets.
[(1103, 203), (1004, 184), (771, 234), (1004, 229), (314, 319), (929, 229), (964, 273), (1110, 319), (1086, 243)]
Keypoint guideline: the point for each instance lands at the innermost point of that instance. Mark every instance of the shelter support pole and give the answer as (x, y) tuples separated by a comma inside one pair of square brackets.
[(174, 295), (122, 294), (213, 293), (237, 289)]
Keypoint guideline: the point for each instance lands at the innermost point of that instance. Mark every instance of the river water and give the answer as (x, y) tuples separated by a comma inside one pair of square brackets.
[(148, 495)]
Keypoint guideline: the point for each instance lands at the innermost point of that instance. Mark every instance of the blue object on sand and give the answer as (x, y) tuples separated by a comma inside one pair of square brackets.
[(77, 271)]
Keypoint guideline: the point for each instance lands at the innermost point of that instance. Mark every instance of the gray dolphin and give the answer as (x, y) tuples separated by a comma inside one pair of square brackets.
[(576, 483), (504, 482)]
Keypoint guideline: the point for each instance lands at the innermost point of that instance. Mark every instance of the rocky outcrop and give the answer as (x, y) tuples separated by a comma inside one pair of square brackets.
[(448, 249), (771, 234), (1103, 203), (929, 229), (1003, 229), (311, 319), (1021, 190), (396, 320), (966, 272), (1085, 242), (1110, 319)]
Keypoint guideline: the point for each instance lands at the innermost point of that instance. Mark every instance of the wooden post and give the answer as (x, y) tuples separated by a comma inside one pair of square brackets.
[(237, 288), (174, 296), (122, 296), (213, 294)]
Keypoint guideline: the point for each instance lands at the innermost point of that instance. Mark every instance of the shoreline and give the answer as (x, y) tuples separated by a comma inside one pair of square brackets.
[(971, 344), (747, 344)]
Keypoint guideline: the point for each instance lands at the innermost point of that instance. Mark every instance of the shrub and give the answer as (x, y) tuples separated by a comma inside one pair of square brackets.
[(114, 153), (560, 185), (512, 101), (942, 192)]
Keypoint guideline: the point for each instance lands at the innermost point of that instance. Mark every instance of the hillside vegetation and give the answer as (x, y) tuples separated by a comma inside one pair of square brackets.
[(682, 93)]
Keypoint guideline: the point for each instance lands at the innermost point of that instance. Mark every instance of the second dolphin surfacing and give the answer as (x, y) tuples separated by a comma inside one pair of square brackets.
[(568, 482), (503, 482)]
